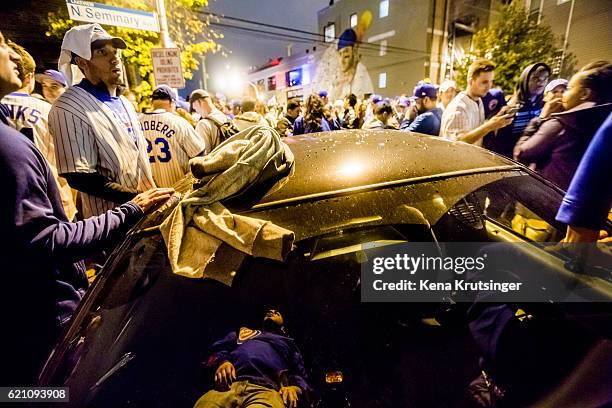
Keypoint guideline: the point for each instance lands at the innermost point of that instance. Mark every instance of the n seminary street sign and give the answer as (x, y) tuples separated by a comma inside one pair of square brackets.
[(110, 15)]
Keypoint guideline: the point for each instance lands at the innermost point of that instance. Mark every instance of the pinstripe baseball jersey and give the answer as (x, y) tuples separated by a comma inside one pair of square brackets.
[(171, 141), (29, 115), (460, 116), (90, 138)]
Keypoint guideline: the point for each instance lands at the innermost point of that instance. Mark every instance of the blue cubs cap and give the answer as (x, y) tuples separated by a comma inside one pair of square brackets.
[(323, 94), (53, 75), (424, 89), (164, 92), (493, 101), (347, 39), (376, 98)]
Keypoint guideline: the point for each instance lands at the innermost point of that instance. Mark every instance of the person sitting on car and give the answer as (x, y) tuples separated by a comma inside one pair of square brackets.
[(257, 368)]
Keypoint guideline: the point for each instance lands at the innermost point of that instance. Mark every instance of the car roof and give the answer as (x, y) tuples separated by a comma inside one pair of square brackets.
[(343, 161)]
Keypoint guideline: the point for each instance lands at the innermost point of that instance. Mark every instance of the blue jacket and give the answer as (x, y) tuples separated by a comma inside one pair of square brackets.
[(43, 278), (427, 123), (262, 358), (589, 197), (300, 127)]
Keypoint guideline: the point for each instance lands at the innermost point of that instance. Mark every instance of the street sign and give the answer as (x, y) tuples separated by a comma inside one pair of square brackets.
[(167, 67), (110, 15)]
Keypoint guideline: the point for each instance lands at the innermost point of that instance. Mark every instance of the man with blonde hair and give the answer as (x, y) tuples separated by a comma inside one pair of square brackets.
[(464, 118)]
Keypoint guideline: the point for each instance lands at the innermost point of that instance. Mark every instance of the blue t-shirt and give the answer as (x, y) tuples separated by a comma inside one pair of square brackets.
[(113, 102), (427, 123)]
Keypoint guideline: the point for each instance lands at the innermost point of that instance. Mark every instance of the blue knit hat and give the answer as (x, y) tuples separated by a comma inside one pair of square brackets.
[(347, 39)]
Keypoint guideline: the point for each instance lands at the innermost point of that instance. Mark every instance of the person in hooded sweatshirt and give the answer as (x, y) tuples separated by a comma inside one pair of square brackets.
[(529, 98), (249, 117), (561, 140)]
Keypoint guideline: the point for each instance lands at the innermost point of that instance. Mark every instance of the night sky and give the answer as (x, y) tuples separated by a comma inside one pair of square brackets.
[(249, 50)]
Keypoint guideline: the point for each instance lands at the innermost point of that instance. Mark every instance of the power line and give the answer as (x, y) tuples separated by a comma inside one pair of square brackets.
[(282, 36), (284, 28), (275, 37)]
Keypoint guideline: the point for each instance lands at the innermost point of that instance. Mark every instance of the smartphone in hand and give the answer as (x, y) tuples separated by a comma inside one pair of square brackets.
[(509, 110)]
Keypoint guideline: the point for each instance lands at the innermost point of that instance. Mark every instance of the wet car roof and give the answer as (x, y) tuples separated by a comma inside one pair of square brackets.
[(345, 160)]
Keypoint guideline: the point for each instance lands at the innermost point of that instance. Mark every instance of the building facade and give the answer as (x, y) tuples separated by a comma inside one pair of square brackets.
[(409, 40), (587, 24)]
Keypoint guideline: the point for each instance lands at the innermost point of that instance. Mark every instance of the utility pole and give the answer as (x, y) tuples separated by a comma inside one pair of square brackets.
[(166, 42), (540, 10), (204, 80)]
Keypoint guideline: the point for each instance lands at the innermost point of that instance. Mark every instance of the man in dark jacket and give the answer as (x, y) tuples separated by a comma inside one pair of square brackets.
[(429, 115), (260, 367), (43, 277), (561, 140), (284, 126), (528, 98)]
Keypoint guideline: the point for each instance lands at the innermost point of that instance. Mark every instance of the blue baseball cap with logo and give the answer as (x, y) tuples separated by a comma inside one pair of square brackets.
[(52, 75), (376, 98), (164, 92), (424, 89)]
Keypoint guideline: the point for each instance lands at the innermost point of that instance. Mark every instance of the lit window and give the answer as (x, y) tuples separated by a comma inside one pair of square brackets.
[(383, 48), (330, 32), (383, 9), (353, 21), (382, 80)]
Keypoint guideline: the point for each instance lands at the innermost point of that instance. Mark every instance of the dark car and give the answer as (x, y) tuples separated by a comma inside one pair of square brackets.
[(142, 333)]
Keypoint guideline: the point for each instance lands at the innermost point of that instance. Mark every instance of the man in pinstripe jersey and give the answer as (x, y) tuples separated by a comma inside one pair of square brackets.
[(44, 277), (172, 141), (100, 147)]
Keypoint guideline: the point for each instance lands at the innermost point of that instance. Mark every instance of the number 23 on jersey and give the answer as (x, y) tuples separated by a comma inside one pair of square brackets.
[(163, 147)]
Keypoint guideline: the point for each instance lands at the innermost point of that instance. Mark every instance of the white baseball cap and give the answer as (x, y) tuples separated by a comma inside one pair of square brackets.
[(78, 41), (555, 83), (446, 85)]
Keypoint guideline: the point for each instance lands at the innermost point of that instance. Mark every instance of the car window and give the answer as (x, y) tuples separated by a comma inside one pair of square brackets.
[(524, 205)]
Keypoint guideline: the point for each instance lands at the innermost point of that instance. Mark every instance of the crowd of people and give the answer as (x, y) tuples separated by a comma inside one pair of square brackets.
[(81, 164)]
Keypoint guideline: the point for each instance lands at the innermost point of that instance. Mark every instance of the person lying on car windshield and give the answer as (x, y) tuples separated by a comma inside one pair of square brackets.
[(257, 368)]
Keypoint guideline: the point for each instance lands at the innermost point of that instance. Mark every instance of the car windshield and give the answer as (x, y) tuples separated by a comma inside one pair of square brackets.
[(140, 315)]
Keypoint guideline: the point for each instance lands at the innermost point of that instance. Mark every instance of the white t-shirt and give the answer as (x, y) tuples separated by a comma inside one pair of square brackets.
[(462, 115), (208, 131), (171, 142)]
